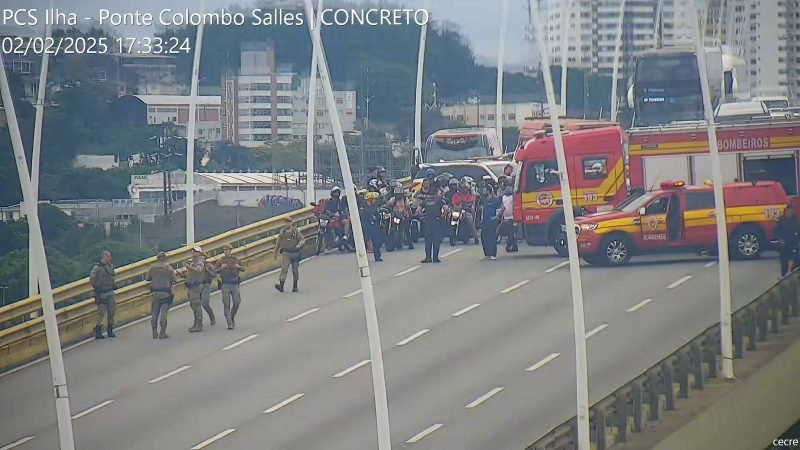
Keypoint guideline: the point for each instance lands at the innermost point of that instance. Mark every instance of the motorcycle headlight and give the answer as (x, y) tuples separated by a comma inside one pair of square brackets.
[(588, 226), (456, 214), (323, 222), (396, 220)]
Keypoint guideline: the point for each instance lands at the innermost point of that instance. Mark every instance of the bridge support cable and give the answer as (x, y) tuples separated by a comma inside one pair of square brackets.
[(501, 54), (657, 28), (579, 323), (726, 330), (59, 376), (370, 310), (191, 130), (566, 10), (33, 281), (423, 38), (617, 57), (311, 132)]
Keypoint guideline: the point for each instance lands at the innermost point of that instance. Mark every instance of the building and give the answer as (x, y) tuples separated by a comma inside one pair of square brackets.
[(174, 109), (102, 162), (257, 99), (484, 115), (345, 105), (149, 74)]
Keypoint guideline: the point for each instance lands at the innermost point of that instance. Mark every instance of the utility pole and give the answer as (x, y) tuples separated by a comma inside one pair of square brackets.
[(311, 132), (579, 323), (368, 295), (191, 130), (617, 57), (501, 54), (565, 12), (423, 37), (59, 376)]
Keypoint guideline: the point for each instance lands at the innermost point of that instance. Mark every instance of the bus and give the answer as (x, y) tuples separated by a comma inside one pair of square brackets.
[(460, 144)]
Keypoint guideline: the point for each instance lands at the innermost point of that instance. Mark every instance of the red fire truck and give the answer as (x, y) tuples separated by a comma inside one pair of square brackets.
[(762, 148), (533, 127), (595, 165)]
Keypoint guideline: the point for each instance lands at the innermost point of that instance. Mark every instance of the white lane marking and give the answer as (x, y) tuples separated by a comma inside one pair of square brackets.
[(412, 337), (352, 368), (213, 439), (515, 286), (92, 409), (167, 375), (407, 271), (421, 435), (283, 403), (710, 263), (352, 294), (450, 253), (240, 342), (556, 267), (18, 443), (639, 305), (542, 363), (301, 315), (484, 397), (596, 330), (466, 310), (679, 282)]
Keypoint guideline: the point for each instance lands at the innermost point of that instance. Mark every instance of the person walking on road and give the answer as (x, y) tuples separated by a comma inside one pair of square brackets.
[(290, 242), (491, 206), (370, 217), (205, 290), (161, 277), (433, 206), (788, 233), (229, 268), (508, 227), (195, 273), (102, 279)]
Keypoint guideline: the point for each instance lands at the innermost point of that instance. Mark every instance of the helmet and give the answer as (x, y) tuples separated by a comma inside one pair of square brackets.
[(452, 182), (371, 196), (467, 179), (361, 192), (379, 169), (430, 173), (336, 189)]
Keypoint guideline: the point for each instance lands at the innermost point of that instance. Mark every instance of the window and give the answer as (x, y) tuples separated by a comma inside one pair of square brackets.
[(512, 116), (491, 117), (699, 200), (595, 168), (540, 174), (658, 206), (339, 101), (21, 66)]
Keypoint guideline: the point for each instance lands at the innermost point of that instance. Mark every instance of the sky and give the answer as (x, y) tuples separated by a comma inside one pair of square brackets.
[(478, 20)]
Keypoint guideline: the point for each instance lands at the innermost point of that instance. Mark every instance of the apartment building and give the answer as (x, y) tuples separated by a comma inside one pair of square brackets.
[(346, 106)]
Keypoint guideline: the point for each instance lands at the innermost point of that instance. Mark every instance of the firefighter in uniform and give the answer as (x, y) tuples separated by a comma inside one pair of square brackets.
[(195, 273), (290, 242), (161, 277), (229, 268), (102, 279)]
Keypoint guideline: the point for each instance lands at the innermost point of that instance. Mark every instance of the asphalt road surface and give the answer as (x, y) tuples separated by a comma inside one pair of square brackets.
[(478, 355)]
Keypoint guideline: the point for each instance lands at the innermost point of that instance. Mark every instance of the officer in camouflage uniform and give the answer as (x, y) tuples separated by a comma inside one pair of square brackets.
[(102, 279), (205, 291), (290, 242), (161, 277), (195, 274), (229, 267)]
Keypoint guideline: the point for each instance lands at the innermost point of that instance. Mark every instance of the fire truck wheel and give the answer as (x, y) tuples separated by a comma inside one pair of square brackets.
[(747, 243), (615, 250)]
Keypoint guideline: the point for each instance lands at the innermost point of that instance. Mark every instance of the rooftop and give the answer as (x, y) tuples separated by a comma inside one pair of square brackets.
[(178, 99)]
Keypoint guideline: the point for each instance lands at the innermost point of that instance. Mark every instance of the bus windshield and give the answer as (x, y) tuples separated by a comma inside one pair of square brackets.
[(667, 89), (456, 148)]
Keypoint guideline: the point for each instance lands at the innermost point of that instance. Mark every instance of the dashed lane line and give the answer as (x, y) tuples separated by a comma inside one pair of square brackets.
[(543, 362), (213, 439), (283, 403), (301, 315), (412, 337), (639, 305), (92, 409), (466, 310), (170, 374), (556, 267), (596, 330), (422, 434), (450, 253), (240, 342), (18, 443), (352, 368), (407, 271), (484, 397), (515, 286), (710, 263), (679, 282), (352, 294)]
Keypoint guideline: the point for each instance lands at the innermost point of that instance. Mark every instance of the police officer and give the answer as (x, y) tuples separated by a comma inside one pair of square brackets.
[(229, 268), (102, 279), (290, 242), (370, 219), (161, 277), (432, 204), (788, 233), (205, 290), (195, 274)]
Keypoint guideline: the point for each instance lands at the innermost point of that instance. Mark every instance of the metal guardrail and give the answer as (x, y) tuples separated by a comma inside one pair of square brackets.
[(626, 411), (22, 336)]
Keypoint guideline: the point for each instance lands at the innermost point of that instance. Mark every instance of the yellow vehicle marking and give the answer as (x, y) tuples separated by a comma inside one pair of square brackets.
[(581, 196), (672, 148)]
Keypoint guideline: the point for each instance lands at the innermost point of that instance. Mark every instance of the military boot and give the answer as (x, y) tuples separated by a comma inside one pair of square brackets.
[(197, 327), (294, 285), (279, 286), (155, 332), (98, 332), (111, 331), (163, 333), (229, 319)]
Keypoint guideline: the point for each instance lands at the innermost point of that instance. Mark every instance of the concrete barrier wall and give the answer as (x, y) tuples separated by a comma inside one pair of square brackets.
[(749, 416)]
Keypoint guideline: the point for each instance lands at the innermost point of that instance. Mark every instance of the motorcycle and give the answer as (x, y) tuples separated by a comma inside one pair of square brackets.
[(459, 230), (394, 236), (329, 232), (415, 227)]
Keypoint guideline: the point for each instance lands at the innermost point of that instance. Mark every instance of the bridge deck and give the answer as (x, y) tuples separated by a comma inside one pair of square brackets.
[(460, 361)]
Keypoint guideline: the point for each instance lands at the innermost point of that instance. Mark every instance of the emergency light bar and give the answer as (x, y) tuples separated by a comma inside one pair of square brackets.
[(672, 184)]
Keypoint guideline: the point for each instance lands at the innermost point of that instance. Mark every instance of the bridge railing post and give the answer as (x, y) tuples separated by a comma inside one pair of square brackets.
[(762, 314), (750, 318), (774, 306), (638, 405), (697, 366), (683, 374), (653, 394), (669, 380), (738, 338)]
